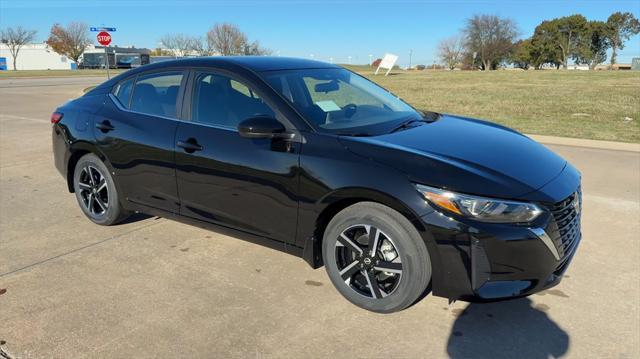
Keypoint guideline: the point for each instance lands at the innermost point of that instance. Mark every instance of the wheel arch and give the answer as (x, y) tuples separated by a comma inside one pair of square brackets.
[(77, 150), (336, 201)]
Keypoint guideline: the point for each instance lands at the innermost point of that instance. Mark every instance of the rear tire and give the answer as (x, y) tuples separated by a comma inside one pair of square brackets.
[(383, 275), (96, 191)]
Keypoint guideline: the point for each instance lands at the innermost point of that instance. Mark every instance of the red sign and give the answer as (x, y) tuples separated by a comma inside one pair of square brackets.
[(104, 38)]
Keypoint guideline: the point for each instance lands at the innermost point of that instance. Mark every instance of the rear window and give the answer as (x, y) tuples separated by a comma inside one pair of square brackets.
[(156, 94), (123, 92)]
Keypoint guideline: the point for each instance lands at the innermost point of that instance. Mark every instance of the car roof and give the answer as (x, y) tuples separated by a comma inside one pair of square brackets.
[(273, 63), (254, 63), (251, 63)]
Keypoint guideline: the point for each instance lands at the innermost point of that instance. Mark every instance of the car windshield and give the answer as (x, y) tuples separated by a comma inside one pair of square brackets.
[(335, 100)]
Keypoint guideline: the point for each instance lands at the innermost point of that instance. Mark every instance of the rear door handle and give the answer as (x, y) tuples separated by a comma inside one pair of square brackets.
[(105, 126), (190, 146)]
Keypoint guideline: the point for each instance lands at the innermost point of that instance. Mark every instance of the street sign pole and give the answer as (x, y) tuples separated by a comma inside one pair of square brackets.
[(106, 61), (104, 39)]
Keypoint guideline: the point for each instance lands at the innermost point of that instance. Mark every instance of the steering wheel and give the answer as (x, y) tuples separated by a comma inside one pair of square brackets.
[(350, 110)]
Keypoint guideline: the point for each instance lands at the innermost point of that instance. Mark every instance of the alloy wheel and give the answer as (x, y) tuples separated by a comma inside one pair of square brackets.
[(368, 261), (94, 191)]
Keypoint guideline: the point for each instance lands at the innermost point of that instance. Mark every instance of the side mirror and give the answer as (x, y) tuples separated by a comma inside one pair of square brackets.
[(261, 126)]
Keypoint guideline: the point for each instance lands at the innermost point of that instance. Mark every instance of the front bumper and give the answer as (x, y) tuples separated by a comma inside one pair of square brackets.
[(489, 262)]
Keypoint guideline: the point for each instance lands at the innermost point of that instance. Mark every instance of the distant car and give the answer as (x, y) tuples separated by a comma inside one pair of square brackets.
[(319, 162)]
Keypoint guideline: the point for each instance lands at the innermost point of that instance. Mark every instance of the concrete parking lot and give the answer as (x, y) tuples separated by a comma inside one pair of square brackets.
[(156, 288)]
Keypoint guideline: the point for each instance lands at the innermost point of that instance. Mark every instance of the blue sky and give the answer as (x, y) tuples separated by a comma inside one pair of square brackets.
[(300, 28)]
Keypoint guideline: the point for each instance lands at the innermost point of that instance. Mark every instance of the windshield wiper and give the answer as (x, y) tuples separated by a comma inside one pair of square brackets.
[(407, 124)]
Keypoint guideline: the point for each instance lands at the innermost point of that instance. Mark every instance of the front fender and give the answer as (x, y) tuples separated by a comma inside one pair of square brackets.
[(341, 198)]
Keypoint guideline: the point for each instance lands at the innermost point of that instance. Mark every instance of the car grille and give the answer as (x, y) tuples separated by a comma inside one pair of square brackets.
[(565, 232)]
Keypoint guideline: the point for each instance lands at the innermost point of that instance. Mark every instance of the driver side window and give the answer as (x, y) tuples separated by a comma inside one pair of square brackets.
[(221, 101)]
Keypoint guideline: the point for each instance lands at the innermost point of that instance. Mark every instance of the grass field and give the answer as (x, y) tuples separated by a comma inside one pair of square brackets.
[(602, 105)]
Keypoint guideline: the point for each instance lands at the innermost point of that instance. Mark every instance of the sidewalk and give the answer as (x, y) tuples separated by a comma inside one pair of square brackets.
[(579, 142)]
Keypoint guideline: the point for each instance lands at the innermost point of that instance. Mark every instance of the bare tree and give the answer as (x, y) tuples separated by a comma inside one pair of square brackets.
[(491, 37), (254, 49), (70, 41), (227, 39), (15, 38), (179, 44), (450, 51), (202, 47)]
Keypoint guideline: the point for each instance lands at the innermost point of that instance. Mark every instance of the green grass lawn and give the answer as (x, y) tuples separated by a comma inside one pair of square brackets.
[(582, 104)]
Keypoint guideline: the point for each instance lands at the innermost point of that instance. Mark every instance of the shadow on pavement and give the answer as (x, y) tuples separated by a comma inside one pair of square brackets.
[(509, 329), (136, 217)]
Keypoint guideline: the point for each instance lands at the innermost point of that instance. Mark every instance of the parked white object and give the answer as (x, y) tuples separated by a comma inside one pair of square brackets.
[(36, 57), (388, 61)]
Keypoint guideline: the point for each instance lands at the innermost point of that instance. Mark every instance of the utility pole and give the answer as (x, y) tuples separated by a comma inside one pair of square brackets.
[(410, 54), (370, 60)]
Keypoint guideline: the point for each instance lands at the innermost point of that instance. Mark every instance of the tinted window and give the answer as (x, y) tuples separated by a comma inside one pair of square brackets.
[(123, 92), (157, 94), (219, 100)]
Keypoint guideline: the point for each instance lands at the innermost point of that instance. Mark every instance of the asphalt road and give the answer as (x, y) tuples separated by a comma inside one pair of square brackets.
[(157, 288)]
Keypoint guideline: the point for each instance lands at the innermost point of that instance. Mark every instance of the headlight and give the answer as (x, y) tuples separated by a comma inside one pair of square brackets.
[(481, 208)]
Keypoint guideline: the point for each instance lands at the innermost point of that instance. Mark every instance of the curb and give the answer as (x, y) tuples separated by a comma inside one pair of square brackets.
[(578, 142)]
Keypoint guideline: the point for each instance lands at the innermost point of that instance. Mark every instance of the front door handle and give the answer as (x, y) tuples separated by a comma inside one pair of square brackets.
[(190, 146), (105, 126)]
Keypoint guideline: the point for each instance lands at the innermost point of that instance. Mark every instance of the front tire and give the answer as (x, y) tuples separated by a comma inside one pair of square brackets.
[(96, 191), (376, 258)]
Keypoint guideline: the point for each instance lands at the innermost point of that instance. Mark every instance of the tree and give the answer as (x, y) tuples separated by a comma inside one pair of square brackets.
[(450, 51), (544, 45), (70, 41), (561, 38), (594, 44), (491, 37), (160, 52), (227, 39), (15, 38), (621, 26), (254, 49), (202, 47), (570, 30), (523, 54), (178, 44)]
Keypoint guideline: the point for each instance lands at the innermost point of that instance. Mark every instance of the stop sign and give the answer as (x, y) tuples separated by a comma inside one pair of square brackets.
[(104, 38)]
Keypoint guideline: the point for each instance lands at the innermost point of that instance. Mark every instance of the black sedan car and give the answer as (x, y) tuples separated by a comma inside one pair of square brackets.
[(319, 162)]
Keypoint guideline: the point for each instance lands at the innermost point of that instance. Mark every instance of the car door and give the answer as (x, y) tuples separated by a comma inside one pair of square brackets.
[(135, 130), (245, 184)]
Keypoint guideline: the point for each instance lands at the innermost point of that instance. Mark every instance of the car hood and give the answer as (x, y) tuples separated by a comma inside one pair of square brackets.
[(464, 155)]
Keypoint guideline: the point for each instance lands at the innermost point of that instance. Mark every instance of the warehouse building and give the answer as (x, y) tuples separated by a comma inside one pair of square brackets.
[(42, 57), (36, 57)]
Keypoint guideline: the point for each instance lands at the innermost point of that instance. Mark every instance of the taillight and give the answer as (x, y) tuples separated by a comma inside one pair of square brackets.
[(56, 117)]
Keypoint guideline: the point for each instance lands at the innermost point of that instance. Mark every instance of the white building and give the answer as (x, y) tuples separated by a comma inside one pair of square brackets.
[(580, 67), (36, 57)]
